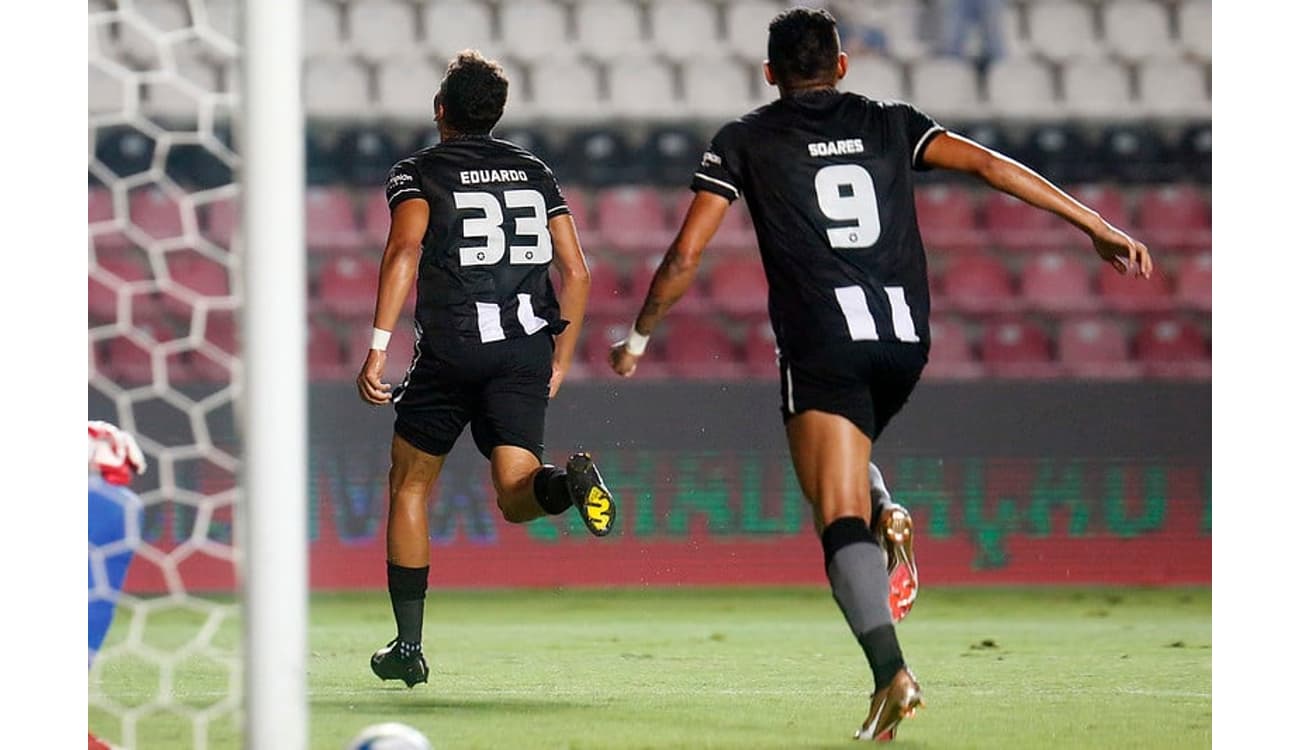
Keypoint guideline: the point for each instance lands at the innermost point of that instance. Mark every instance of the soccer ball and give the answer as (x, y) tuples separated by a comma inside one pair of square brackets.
[(390, 735)]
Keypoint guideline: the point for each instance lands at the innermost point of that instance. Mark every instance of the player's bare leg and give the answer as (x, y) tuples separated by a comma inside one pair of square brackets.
[(410, 480), (527, 489), (831, 460), (892, 524)]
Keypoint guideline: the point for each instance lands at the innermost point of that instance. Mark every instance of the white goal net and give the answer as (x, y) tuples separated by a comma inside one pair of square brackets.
[(164, 293)]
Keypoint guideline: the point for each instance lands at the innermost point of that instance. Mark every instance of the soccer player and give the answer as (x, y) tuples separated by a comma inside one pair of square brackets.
[(476, 223), (827, 176), (113, 519)]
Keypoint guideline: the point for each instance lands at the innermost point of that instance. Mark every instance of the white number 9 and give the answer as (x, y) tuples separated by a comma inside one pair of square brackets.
[(858, 206)]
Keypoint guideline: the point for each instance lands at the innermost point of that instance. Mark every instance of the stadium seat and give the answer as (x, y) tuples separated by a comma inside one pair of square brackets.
[(1134, 153), (534, 30), (1175, 217), (875, 77), (1174, 89), (220, 221), (686, 30), (641, 90), (1128, 293), (322, 28), (126, 362), (375, 217), (159, 16), (579, 203), (1095, 348), (1194, 29), (124, 150), (610, 30), (326, 357), (717, 89), (221, 338), (1016, 348), (365, 155), (1057, 282), (566, 91), (199, 275), (406, 87), (1107, 200), (335, 88), (951, 355), (101, 301), (738, 286), (609, 295), (322, 166), (903, 23), (155, 213), (600, 333), (1195, 152), (1194, 287), (128, 264), (100, 204), (946, 88), (381, 29), (1015, 225), (178, 100), (453, 25), (347, 285), (1062, 31), (698, 348), (1063, 152), (759, 355), (198, 166), (1098, 90), (976, 283), (1168, 347), (331, 223), (946, 215), (1137, 30), (1022, 88), (632, 219), (735, 233), (744, 24), (672, 154)]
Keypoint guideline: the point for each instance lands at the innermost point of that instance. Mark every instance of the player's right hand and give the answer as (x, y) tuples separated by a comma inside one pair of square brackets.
[(370, 383), (1122, 251), (623, 361)]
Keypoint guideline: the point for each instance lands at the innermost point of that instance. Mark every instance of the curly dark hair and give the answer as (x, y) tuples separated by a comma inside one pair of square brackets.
[(473, 93), (803, 45)]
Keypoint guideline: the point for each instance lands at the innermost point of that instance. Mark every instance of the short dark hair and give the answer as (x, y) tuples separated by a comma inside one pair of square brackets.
[(473, 93), (802, 45)]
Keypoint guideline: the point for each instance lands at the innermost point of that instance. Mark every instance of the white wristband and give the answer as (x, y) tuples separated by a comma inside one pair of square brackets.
[(379, 339), (636, 342)]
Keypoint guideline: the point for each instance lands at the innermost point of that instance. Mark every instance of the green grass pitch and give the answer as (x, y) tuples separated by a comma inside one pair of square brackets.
[(713, 668)]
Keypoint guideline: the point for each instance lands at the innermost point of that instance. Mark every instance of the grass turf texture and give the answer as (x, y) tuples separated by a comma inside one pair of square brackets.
[(729, 668)]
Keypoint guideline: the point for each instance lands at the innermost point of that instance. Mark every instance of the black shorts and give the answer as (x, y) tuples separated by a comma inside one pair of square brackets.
[(866, 382), (500, 389)]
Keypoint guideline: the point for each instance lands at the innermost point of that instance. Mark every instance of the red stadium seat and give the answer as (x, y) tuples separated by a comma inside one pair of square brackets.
[(632, 219), (348, 285), (331, 221), (156, 214), (1091, 347), (101, 204), (1128, 293), (1194, 287), (760, 350), (735, 234), (697, 347), (738, 286), (326, 359), (694, 301), (129, 363), (609, 295), (946, 215), (579, 203), (375, 217), (950, 351), (200, 275), (1057, 282), (977, 283), (1175, 217), (600, 333), (1016, 225), (221, 221), (125, 263), (1168, 347), (1106, 200), (1016, 348)]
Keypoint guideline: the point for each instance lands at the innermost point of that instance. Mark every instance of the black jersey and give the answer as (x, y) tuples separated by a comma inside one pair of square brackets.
[(487, 250), (828, 180)]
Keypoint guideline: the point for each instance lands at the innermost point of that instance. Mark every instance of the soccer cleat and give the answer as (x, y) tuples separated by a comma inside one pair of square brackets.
[(388, 664), (894, 532), (590, 496), (889, 706)]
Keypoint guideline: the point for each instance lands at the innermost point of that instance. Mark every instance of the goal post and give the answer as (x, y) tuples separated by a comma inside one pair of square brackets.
[(274, 403)]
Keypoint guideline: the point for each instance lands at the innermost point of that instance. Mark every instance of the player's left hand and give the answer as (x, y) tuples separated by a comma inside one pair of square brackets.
[(623, 361), (114, 453), (1122, 251), (370, 383)]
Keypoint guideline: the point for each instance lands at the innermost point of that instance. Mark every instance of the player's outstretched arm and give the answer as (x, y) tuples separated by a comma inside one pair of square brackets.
[(575, 287), (949, 151), (673, 277), (397, 272)]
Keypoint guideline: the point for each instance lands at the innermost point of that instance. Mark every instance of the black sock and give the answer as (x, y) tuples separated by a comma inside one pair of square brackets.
[(551, 490), (855, 567), (406, 589)]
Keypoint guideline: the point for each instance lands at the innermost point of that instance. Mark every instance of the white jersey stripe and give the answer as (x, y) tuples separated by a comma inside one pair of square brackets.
[(489, 322)]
